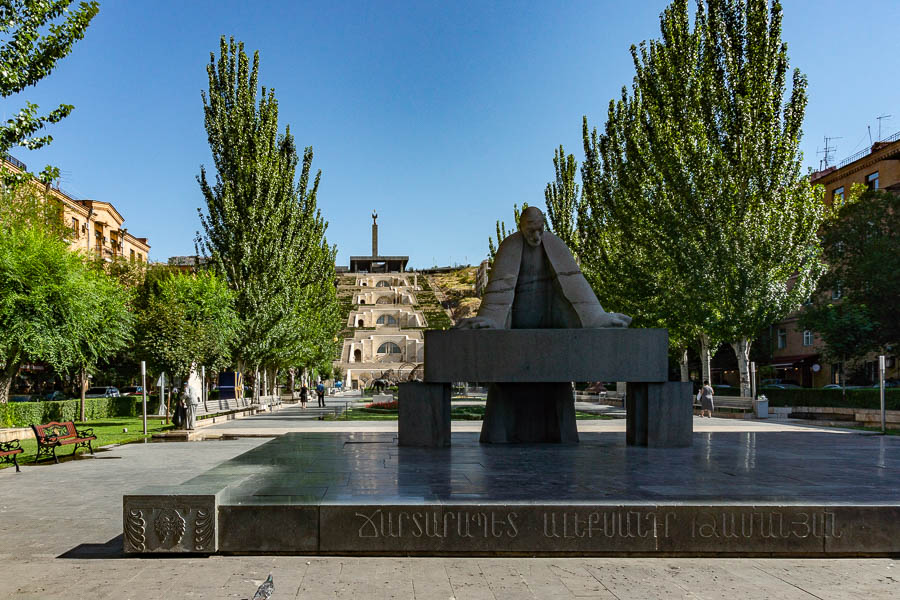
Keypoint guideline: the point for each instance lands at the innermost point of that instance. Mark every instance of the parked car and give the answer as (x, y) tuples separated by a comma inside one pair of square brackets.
[(54, 396), (782, 386), (837, 386), (102, 392), (888, 383), (132, 390)]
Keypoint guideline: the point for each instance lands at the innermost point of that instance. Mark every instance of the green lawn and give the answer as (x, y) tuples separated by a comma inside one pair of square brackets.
[(457, 413), (108, 431)]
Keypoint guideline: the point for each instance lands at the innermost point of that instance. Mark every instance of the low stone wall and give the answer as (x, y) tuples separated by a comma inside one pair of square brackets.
[(839, 415)]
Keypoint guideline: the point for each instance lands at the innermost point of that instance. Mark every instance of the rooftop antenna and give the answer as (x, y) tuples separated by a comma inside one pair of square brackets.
[(827, 152), (869, 128), (880, 118)]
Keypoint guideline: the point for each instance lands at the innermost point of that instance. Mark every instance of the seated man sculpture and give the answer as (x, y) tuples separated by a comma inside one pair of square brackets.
[(535, 283)]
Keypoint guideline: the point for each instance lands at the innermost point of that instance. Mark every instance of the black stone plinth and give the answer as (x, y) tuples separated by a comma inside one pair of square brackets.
[(541, 355), (659, 415), (731, 494), (424, 414), (529, 413)]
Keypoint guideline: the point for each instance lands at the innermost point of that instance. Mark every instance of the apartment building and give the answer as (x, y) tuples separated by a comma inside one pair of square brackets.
[(96, 226), (797, 353)]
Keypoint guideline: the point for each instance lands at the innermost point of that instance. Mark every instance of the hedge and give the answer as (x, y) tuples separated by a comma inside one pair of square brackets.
[(857, 398), (25, 414)]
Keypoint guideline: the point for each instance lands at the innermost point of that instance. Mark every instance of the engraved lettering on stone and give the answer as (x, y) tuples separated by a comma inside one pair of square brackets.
[(610, 524), (369, 521), (134, 529), (766, 525), (384, 524), (203, 530), (169, 527)]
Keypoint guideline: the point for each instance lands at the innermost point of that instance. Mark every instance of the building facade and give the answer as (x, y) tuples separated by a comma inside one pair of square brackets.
[(96, 227), (797, 353)]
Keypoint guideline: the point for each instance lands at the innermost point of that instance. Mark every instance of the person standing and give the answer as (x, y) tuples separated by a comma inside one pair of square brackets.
[(320, 392), (191, 401), (304, 396), (706, 399)]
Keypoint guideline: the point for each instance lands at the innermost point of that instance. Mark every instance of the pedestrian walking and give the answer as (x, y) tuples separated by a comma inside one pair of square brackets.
[(706, 399), (304, 396), (320, 392)]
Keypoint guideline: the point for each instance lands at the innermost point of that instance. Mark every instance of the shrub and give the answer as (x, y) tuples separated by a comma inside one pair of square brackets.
[(25, 414), (859, 398)]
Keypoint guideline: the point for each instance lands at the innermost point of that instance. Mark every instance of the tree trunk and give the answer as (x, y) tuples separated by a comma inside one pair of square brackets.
[(84, 386), (705, 358), (6, 378), (742, 351), (683, 361)]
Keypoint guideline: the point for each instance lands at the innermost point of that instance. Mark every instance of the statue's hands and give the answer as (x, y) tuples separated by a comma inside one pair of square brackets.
[(612, 320), (476, 323)]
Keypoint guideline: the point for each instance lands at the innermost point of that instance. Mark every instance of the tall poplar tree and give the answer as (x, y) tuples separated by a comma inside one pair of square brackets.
[(563, 200), (263, 232), (698, 172)]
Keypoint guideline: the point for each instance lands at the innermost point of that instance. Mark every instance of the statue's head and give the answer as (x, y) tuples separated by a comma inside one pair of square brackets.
[(531, 224)]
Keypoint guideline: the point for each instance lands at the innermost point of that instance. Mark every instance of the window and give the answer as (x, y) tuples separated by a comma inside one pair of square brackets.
[(75, 227), (836, 369), (837, 196), (807, 338), (383, 283), (837, 292), (872, 181), (782, 338), (386, 320), (389, 348)]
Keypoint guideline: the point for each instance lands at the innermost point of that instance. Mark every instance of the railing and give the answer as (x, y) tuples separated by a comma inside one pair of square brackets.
[(867, 151), (15, 162)]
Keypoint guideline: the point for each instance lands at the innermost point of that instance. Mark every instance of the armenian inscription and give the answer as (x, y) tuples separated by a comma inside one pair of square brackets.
[(586, 528)]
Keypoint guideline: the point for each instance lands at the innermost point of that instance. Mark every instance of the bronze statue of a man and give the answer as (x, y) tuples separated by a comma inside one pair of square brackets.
[(535, 283)]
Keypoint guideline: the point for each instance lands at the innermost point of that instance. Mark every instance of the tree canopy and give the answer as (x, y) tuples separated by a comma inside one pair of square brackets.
[(54, 306), (188, 320), (696, 209), (34, 36), (263, 232), (861, 243)]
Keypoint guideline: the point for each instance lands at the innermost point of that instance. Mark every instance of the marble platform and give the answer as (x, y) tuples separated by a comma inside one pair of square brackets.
[(740, 494)]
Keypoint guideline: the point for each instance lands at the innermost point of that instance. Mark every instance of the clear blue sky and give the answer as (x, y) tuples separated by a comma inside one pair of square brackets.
[(439, 115)]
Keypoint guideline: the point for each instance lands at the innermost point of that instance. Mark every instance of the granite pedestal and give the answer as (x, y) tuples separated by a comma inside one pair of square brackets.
[(424, 414), (659, 414), (529, 397), (729, 494)]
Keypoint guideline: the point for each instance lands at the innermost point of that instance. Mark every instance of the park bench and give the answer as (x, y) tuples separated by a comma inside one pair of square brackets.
[(735, 403), (8, 452), (52, 435)]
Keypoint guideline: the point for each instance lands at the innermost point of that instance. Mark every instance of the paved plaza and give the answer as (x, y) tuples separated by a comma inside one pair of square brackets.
[(61, 525)]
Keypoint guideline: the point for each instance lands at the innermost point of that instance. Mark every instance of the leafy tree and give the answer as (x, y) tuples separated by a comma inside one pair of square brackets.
[(54, 307), (263, 233), (699, 172), (563, 200), (28, 205), (861, 244), (502, 232), (188, 320), (27, 55)]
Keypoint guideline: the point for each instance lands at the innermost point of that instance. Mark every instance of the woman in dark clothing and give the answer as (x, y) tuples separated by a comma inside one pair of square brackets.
[(304, 396)]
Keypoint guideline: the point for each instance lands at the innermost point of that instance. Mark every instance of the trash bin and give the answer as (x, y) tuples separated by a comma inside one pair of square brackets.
[(761, 407)]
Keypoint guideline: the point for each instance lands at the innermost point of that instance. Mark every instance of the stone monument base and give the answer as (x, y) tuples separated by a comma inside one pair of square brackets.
[(729, 494), (529, 413)]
